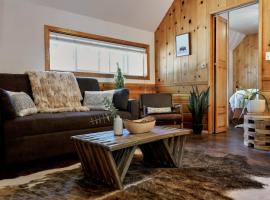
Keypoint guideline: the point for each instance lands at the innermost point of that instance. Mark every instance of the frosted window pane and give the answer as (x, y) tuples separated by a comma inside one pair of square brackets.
[(70, 53), (62, 56), (87, 58), (136, 64), (116, 56), (104, 60), (125, 63)]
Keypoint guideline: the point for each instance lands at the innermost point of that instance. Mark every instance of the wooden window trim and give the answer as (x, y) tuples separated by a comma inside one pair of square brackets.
[(48, 29)]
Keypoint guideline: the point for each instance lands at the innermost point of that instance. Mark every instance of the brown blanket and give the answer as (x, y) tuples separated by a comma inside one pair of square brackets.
[(56, 91)]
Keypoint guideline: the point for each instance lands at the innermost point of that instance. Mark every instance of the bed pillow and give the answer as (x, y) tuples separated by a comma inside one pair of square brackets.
[(94, 100), (22, 103), (152, 110)]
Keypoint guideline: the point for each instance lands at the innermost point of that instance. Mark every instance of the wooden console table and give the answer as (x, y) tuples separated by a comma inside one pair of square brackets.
[(257, 131), (106, 158)]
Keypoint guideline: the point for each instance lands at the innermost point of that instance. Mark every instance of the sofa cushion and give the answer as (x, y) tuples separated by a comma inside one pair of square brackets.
[(87, 84), (156, 100), (7, 107), (95, 100), (120, 98), (166, 116), (152, 110), (23, 103), (125, 114), (16, 83), (44, 123)]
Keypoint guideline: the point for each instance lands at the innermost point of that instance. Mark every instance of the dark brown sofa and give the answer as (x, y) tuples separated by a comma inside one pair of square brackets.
[(47, 134)]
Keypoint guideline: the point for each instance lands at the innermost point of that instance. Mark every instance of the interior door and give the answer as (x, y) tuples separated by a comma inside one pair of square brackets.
[(220, 74)]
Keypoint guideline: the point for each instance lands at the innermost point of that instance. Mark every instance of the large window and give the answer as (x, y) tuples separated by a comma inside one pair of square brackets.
[(93, 55)]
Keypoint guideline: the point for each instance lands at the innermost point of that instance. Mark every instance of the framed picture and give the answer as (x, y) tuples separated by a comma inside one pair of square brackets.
[(183, 45)]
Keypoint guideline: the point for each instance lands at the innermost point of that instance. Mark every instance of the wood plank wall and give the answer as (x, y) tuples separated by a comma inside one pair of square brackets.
[(245, 63), (178, 74), (135, 89), (265, 41)]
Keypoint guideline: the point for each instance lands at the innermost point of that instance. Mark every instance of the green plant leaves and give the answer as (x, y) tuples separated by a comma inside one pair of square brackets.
[(198, 104), (119, 78)]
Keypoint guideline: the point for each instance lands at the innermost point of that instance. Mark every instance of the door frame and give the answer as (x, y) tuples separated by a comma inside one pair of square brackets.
[(211, 43)]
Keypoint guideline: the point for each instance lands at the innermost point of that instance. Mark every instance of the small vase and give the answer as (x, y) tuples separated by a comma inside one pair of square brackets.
[(197, 128), (118, 126)]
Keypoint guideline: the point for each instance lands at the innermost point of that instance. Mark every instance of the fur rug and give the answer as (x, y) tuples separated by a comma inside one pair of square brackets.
[(202, 177), (56, 91)]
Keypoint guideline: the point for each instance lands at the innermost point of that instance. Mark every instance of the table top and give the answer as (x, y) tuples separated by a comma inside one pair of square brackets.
[(111, 142)]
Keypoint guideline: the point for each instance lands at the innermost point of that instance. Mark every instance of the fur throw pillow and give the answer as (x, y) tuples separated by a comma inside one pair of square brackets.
[(56, 91)]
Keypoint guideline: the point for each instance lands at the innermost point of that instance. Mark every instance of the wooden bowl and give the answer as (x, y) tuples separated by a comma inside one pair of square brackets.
[(143, 125)]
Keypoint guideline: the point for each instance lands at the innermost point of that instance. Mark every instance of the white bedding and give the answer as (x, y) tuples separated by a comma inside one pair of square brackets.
[(236, 100)]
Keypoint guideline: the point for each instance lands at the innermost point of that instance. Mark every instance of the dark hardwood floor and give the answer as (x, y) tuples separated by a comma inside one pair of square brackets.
[(216, 144), (230, 142)]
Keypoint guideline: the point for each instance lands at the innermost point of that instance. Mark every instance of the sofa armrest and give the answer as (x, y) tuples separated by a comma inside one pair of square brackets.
[(133, 108), (178, 108), (2, 148)]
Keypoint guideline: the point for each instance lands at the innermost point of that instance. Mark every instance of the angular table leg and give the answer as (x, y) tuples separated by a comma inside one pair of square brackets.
[(168, 152), (105, 166)]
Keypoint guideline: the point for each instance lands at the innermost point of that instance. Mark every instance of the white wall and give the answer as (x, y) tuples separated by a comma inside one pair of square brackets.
[(22, 34)]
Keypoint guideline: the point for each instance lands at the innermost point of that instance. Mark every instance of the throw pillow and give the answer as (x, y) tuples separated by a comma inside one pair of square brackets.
[(56, 92), (23, 104), (120, 98), (151, 110), (95, 99), (7, 106)]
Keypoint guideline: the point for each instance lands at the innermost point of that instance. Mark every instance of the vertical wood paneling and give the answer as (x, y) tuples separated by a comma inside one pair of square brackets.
[(177, 74), (265, 23), (134, 89), (170, 28), (246, 61)]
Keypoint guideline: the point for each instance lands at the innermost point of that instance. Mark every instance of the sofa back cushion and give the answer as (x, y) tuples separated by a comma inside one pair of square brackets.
[(87, 84), (21, 83), (16, 83), (7, 107), (156, 100), (120, 98)]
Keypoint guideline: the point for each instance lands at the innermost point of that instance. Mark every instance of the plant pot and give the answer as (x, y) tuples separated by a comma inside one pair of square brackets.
[(256, 106), (197, 128)]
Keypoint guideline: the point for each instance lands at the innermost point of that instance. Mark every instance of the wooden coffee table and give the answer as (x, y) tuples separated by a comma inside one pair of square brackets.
[(106, 158)]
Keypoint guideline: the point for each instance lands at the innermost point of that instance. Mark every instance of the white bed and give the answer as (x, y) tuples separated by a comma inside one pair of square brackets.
[(237, 103), (237, 99)]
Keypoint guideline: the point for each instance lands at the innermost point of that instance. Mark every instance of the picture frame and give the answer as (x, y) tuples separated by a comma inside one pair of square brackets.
[(183, 45)]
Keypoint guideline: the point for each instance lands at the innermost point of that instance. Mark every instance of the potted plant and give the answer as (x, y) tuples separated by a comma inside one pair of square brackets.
[(109, 118), (119, 78), (198, 106), (253, 102)]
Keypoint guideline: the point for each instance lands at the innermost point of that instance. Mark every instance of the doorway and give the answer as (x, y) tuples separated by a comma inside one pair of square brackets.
[(236, 64)]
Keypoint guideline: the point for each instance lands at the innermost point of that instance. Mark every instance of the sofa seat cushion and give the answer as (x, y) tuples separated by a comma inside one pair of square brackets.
[(44, 123), (166, 116), (124, 114)]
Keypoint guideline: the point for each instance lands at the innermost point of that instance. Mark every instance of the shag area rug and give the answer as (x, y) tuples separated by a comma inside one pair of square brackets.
[(202, 177)]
